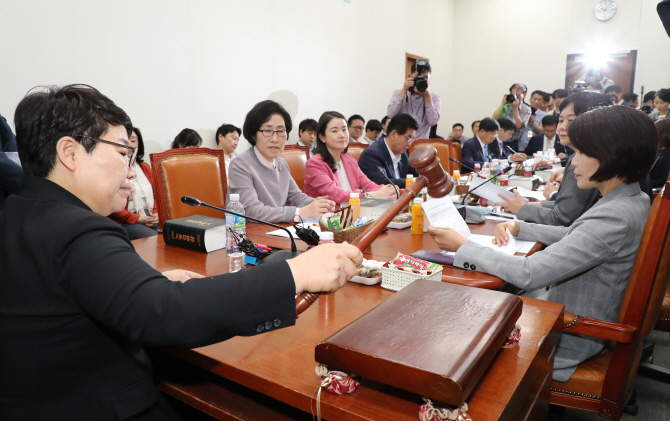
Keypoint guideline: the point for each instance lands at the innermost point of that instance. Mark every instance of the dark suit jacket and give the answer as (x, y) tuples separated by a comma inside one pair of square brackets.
[(472, 153), (78, 303), (659, 173), (377, 155), (10, 173), (536, 144)]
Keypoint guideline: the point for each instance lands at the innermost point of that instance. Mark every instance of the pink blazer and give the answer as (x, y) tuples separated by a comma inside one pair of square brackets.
[(320, 180)]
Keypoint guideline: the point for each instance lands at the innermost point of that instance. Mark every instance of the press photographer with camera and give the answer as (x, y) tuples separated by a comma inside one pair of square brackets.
[(416, 99), (513, 108)]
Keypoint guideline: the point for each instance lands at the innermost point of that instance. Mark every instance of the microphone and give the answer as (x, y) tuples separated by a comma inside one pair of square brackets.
[(504, 170), (381, 170), (463, 165), (280, 255), (514, 152)]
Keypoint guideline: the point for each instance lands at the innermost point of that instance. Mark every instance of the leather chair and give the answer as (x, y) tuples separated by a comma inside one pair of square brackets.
[(457, 154), (606, 382), (296, 157), (443, 148), (197, 172), (356, 150)]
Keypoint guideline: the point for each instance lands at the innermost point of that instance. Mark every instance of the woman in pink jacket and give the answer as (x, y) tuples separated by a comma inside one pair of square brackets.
[(333, 173)]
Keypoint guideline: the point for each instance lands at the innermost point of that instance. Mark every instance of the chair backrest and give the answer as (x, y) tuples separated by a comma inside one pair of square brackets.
[(356, 149), (443, 148), (457, 154), (296, 157), (197, 172)]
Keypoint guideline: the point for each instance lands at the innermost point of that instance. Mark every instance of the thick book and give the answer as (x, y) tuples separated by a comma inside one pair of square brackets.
[(431, 338), (197, 232)]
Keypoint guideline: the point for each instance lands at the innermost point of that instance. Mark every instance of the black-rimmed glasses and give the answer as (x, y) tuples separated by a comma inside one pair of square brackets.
[(130, 156), (269, 133)]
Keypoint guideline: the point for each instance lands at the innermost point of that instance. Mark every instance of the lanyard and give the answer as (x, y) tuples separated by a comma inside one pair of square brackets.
[(417, 109)]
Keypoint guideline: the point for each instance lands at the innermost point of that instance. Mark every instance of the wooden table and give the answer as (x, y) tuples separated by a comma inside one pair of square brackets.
[(280, 364)]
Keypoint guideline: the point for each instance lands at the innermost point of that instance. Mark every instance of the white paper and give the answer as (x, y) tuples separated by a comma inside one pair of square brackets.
[(487, 241), (524, 246), (530, 193), (489, 191), (282, 233), (442, 213)]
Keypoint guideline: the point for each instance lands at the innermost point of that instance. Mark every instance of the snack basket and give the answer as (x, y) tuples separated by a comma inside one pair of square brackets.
[(342, 236), (395, 279)]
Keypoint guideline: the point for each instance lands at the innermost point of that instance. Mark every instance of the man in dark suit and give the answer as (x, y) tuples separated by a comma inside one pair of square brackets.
[(11, 173), (548, 140), (391, 154), (481, 148), (78, 303)]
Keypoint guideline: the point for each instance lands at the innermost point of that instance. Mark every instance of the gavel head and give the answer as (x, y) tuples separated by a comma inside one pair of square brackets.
[(424, 159)]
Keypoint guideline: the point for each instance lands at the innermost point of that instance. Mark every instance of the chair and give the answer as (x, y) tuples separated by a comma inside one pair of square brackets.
[(356, 150), (296, 157), (606, 382), (457, 154), (197, 172), (443, 150)]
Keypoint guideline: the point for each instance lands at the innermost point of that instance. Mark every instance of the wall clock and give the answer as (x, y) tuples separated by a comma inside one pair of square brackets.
[(605, 10)]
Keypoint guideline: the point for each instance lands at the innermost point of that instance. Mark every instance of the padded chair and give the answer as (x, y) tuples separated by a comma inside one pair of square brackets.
[(606, 382), (457, 154), (197, 172), (443, 150), (356, 149), (296, 157)]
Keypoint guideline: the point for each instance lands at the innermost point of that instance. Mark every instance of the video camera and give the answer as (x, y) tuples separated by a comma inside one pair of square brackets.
[(420, 81)]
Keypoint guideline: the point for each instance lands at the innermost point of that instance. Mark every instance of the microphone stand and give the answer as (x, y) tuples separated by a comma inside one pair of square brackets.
[(276, 256), (381, 170), (463, 165)]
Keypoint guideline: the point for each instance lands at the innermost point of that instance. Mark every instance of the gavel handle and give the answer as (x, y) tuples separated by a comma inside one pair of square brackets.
[(363, 241)]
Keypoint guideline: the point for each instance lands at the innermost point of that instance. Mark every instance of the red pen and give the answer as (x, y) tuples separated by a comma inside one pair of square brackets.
[(263, 247)]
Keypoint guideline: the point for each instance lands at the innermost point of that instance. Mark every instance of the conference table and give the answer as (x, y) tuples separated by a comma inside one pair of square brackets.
[(272, 376)]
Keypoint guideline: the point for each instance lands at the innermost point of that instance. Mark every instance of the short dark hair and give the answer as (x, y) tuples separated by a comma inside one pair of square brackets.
[(401, 123), (622, 139), (630, 97), (321, 147), (426, 67), (384, 119), (560, 93), (307, 125), (649, 96), (663, 129), (187, 138), (506, 124), (140, 144), (374, 125), (225, 129), (355, 117), (489, 125), (45, 116), (663, 94), (261, 114), (545, 96), (613, 88), (472, 126), (585, 101), (520, 85), (456, 125), (550, 120)]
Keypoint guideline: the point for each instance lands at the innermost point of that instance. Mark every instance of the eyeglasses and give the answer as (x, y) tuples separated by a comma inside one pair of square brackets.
[(269, 133), (130, 155), (408, 138)]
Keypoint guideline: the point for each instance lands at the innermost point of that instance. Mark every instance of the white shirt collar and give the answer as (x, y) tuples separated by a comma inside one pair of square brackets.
[(395, 158), (265, 162)]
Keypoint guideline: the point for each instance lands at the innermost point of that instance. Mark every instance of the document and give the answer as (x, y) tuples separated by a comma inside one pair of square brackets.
[(489, 191), (530, 193), (487, 241), (442, 213)]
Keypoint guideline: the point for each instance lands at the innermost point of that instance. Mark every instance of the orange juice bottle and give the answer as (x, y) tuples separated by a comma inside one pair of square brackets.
[(456, 177), (409, 181), (417, 216), (355, 203)]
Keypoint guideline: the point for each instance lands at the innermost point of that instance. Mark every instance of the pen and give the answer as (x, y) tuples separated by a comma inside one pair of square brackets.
[(501, 216)]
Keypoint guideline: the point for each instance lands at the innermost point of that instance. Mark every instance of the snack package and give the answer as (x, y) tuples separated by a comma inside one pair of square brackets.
[(403, 217), (412, 264)]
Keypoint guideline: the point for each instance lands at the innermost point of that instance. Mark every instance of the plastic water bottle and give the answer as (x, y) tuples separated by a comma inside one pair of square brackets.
[(237, 225)]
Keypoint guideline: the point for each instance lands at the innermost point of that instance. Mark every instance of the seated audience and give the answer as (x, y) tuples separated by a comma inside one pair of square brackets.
[(558, 96), (139, 218), (505, 132), (475, 128), (389, 159), (481, 148), (571, 202), (356, 126), (661, 169), (456, 134), (585, 266), (385, 124), (539, 101), (227, 139), (307, 133), (11, 173), (372, 130), (661, 104), (518, 112), (334, 173), (616, 93), (262, 177), (79, 304), (630, 99), (548, 140), (187, 138)]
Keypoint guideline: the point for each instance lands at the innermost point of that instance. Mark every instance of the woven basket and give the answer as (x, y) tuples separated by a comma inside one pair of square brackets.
[(396, 280), (342, 236)]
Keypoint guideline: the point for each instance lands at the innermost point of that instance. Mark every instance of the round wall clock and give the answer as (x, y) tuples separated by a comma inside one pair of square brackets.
[(605, 10)]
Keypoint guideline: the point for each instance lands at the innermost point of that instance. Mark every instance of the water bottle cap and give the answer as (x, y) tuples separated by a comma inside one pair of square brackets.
[(234, 197), (353, 195), (326, 235), (410, 175), (418, 200)]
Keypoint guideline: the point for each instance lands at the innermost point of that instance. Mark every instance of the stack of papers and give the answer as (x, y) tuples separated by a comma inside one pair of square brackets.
[(442, 213), (489, 191)]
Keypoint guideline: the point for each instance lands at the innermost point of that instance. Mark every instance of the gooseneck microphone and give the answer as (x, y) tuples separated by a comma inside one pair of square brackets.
[(463, 165), (504, 170), (381, 170), (513, 151), (192, 201)]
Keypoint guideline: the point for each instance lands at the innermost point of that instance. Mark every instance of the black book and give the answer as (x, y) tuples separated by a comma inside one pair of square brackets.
[(197, 232)]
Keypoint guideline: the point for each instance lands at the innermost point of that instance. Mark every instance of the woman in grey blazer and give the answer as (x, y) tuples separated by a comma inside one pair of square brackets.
[(586, 265)]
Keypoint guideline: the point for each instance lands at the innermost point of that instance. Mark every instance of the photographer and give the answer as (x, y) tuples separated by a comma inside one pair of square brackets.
[(416, 99), (513, 108)]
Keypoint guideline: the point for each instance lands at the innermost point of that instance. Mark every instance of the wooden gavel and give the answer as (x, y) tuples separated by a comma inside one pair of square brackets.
[(424, 159)]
